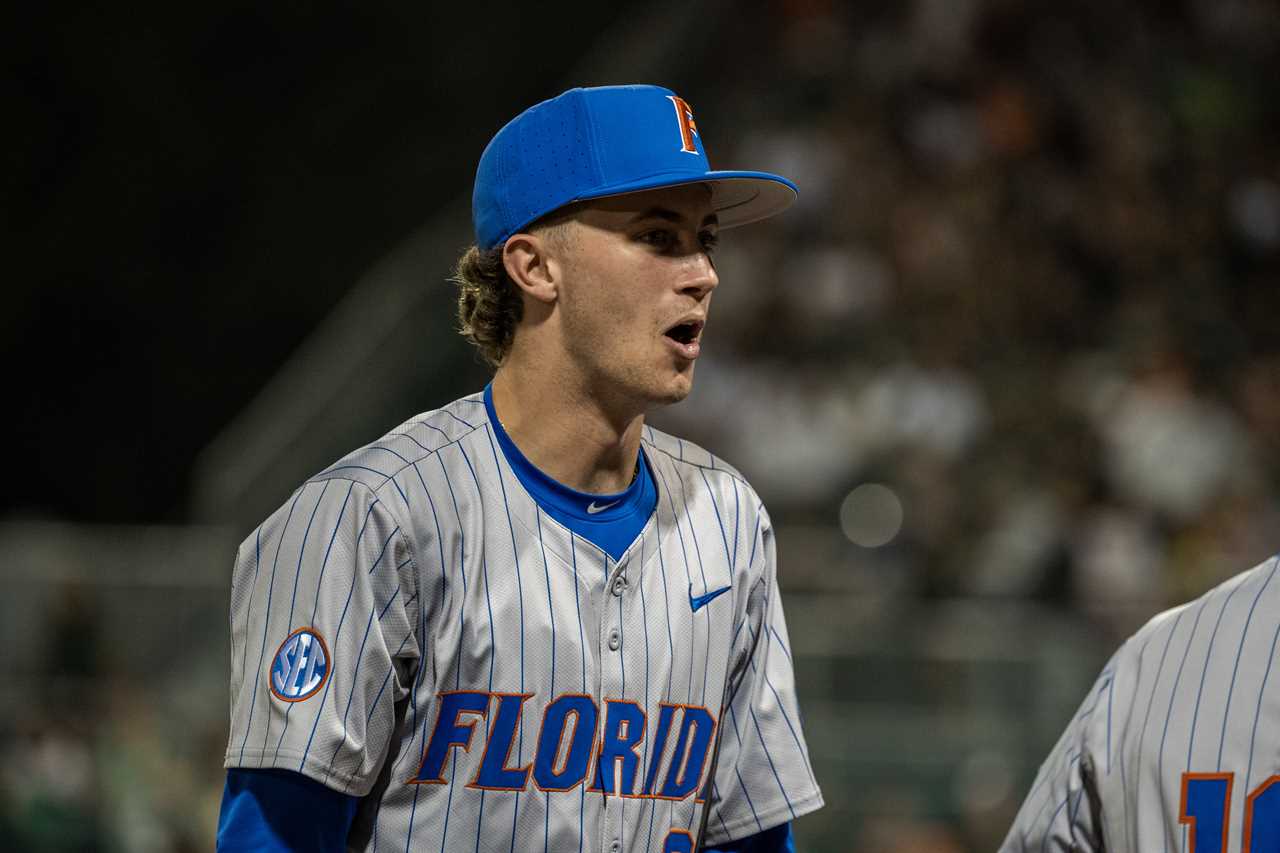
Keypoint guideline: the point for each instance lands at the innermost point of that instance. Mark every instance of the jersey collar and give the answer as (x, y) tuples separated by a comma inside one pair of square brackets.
[(551, 493)]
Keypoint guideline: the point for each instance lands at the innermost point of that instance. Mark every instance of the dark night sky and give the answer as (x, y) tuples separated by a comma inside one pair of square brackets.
[(191, 188)]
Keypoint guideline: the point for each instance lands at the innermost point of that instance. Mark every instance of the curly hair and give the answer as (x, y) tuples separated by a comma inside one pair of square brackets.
[(489, 304)]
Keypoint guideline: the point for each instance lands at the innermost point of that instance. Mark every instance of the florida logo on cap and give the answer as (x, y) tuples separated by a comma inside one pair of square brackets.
[(300, 667), (688, 129)]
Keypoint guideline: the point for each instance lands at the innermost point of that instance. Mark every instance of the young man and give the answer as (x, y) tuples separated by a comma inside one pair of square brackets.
[(1176, 746), (526, 620)]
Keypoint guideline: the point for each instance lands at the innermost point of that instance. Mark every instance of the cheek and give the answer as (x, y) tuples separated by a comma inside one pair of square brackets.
[(593, 317), (615, 311)]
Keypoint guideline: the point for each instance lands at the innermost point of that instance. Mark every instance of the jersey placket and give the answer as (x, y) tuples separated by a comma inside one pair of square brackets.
[(610, 685)]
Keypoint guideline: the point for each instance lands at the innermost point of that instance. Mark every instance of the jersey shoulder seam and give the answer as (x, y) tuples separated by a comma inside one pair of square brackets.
[(726, 470), (395, 516), (387, 478)]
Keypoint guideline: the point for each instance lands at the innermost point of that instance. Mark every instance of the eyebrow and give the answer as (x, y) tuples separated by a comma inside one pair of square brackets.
[(668, 215)]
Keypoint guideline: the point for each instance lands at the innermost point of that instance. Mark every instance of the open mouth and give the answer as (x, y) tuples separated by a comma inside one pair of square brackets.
[(683, 338), (685, 333)]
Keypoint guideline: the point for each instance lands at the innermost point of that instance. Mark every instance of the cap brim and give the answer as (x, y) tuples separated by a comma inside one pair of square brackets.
[(736, 197)]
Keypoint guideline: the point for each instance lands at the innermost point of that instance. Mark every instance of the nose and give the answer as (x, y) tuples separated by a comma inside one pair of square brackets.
[(702, 277)]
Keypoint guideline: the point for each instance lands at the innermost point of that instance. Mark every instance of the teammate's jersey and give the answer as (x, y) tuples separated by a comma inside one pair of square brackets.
[(1177, 747), (410, 627)]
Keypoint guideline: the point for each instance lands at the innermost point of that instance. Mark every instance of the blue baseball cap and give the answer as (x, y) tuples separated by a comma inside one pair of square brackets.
[(605, 141)]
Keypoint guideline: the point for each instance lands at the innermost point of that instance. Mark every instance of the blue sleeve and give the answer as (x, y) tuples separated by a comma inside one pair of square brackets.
[(277, 811), (776, 840)]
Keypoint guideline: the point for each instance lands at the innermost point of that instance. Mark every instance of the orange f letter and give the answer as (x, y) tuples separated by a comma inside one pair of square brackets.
[(688, 130)]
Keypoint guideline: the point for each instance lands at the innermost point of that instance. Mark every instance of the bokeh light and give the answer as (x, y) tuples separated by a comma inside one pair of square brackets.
[(871, 515)]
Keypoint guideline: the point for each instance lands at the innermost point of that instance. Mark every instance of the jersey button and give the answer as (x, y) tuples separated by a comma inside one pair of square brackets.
[(619, 584), (615, 846), (614, 641)]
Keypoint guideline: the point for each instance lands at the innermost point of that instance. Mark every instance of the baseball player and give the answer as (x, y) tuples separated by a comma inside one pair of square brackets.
[(527, 621), (1176, 747)]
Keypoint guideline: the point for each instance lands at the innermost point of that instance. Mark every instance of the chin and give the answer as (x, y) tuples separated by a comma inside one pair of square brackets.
[(654, 386), (676, 389)]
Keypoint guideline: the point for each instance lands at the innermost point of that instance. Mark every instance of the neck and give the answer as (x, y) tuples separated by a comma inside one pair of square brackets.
[(569, 434)]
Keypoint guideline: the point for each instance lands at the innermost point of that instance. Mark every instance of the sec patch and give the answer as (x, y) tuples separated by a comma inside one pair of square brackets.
[(300, 667)]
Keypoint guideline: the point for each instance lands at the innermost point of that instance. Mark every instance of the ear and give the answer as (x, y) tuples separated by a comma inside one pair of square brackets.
[(531, 264)]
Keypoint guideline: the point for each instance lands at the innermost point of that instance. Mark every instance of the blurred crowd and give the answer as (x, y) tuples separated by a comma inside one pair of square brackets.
[(1017, 334), (1028, 288), (1016, 338)]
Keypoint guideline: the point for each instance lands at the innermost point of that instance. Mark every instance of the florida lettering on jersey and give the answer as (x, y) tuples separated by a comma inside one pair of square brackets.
[(485, 679), (569, 745)]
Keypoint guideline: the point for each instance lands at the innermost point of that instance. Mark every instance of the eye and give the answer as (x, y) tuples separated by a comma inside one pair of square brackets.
[(710, 241), (659, 238)]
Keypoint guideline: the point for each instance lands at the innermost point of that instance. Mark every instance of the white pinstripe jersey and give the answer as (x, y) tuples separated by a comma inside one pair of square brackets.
[(487, 680), (1177, 747)]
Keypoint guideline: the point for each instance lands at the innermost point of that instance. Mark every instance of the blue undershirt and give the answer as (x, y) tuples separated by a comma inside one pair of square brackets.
[(610, 522), (279, 811)]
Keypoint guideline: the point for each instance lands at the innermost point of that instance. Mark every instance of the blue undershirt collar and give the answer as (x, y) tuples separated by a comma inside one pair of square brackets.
[(611, 522)]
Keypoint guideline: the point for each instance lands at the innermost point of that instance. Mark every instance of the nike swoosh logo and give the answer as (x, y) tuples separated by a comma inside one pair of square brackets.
[(592, 509), (696, 603)]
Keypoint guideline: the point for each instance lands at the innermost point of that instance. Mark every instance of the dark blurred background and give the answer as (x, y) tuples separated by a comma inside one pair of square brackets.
[(1006, 376)]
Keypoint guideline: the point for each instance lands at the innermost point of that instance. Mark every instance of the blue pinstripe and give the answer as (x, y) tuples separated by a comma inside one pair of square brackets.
[(403, 497), (730, 558), (1204, 673), (484, 571), (422, 641), (1111, 685), (377, 809), (458, 419), (693, 464), (666, 600), (1172, 697), (582, 645), (322, 477), (551, 612), (757, 536), (385, 449), (763, 745), (244, 659), (288, 624), (386, 679), (1239, 651), (684, 552), (368, 625), (697, 551), (409, 436), (1044, 846), (644, 619), (1133, 699), (434, 427), (1072, 758), (1257, 713), (462, 632), (271, 585), (786, 718), (1151, 701), (622, 662), (733, 718), (515, 555), (388, 477), (338, 633), (302, 550)]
